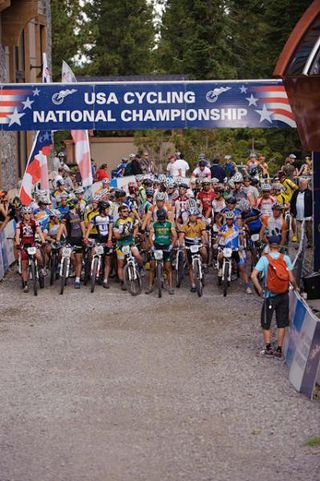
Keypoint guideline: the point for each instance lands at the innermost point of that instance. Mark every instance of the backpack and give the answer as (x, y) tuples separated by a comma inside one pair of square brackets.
[(278, 275)]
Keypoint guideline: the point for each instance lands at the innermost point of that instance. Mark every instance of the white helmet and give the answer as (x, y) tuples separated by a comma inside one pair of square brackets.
[(160, 196), (237, 177)]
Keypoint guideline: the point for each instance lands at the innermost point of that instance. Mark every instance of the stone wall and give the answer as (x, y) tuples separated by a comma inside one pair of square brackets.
[(8, 140)]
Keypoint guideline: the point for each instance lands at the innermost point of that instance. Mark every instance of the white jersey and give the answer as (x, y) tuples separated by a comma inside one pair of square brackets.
[(274, 225)]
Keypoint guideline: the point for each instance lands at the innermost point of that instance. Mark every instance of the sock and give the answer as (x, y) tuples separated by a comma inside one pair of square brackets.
[(105, 280), (77, 279), (247, 285)]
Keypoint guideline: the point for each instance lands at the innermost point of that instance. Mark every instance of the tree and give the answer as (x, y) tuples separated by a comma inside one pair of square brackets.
[(66, 33), (122, 35), (194, 40)]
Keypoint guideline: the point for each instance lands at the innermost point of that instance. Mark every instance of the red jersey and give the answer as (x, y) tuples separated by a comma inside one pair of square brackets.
[(206, 199), (27, 231)]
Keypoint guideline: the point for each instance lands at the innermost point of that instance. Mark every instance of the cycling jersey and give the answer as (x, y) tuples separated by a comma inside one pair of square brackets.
[(52, 229), (218, 205), (125, 227), (144, 208), (42, 217), (63, 210), (162, 233), (154, 208), (73, 225), (265, 204), (206, 199), (90, 214), (102, 223), (254, 226), (27, 231), (193, 231), (290, 187), (230, 236), (274, 225)]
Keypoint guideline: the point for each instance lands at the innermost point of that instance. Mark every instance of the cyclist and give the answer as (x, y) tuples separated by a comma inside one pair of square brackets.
[(91, 211), (63, 206), (26, 231), (231, 207), (60, 189), (125, 231), (265, 201), (250, 217), (103, 222), (238, 193), (202, 171), (231, 235), (275, 225), (218, 204), (191, 233), (152, 212), (74, 227), (41, 215), (79, 192), (162, 236), (181, 212), (205, 197)]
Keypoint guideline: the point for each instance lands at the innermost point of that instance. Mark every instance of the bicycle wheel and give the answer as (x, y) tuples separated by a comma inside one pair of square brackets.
[(132, 279), (41, 280), (159, 279), (225, 278), (34, 277), (197, 276), (254, 256), (94, 273), (63, 275), (53, 267), (87, 268), (179, 268)]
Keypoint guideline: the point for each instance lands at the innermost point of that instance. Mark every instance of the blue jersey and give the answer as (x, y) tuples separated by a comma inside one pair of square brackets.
[(42, 217), (230, 236), (254, 226), (63, 210)]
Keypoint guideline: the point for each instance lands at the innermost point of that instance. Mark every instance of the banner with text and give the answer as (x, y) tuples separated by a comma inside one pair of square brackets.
[(147, 105)]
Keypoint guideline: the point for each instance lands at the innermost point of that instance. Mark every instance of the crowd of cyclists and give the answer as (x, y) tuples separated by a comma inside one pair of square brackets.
[(155, 229)]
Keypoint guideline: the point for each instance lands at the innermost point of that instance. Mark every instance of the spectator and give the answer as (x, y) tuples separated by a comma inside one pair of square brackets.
[(229, 166), (306, 167), (301, 209), (202, 171), (264, 168), (146, 164), (276, 297), (170, 166), (120, 170), (180, 167), (217, 171), (135, 165), (102, 173)]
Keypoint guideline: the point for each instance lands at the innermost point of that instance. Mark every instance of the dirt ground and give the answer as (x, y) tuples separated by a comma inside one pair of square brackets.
[(108, 387)]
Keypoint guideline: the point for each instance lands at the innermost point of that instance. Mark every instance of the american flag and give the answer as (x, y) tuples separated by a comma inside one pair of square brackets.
[(37, 162), (13, 102), (271, 102)]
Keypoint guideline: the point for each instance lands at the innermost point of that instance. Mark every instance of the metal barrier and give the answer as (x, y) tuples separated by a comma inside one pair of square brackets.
[(6, 248)]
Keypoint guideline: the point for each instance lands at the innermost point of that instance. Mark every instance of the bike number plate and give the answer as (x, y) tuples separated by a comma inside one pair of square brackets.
[(126, 250), (227, 252), (194, 249), (158, 255), (66, 251), (31, 251), (255, 237), (99, 250)]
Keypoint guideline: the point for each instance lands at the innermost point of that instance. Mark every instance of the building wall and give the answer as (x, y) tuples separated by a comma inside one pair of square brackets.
[(25, 31)]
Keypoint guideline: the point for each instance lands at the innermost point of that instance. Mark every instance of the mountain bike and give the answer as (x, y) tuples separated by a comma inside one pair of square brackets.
[(131, 274)]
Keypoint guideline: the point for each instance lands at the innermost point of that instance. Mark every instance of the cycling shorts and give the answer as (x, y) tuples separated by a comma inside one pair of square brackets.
[(165, 250), (120, 254)]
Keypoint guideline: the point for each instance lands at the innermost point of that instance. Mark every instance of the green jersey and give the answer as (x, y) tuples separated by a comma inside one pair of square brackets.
[(162, 233)]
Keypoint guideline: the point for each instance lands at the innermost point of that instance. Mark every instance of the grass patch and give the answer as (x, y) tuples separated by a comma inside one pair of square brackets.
[(313, 442)]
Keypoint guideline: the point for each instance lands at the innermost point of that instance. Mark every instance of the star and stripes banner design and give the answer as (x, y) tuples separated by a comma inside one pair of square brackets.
[(37, 165), (144, 105)]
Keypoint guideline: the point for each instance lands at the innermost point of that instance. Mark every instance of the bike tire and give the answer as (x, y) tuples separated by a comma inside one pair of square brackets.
[(132, 280), (41, 281), (225, 279), (94, 274), (34, 277), (159, 279), (196, 273), (63, 276), (180, 269), (87, 269), (254, 257)]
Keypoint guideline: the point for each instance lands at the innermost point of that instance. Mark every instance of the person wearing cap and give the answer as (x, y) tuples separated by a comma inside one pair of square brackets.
[(102, 173), (231, 235), (278, 303), (202, 171)]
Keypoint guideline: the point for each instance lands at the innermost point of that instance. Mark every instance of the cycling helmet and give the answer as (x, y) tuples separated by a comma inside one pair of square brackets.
[(277, 187), (54, 213), (119, 193), (244, 205), (246, 178), (237, 177), (193, 211), (206, 181), (139, 177), (103, 204), (44, 200), (26, 210), (202, 163), (229, 215), (265, 187), (198, 182), (183, 186), (79, 190), (231, 200), (149, 192), (160, 196), (96, 198), (60, 182), (227, 157), (72, 203), (214, 181), (161, 214), (277, 206), (170, 184), (162, 178), (63, 195), (147, 181), (132, 156), (231, 184)]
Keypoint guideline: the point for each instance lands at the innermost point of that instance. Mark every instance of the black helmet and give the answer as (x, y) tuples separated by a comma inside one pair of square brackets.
[(119, 193), (231, 200), (161, 214), (102, 205)]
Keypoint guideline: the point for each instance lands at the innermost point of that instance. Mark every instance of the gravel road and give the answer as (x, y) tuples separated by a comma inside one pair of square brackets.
[(107, 387)]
